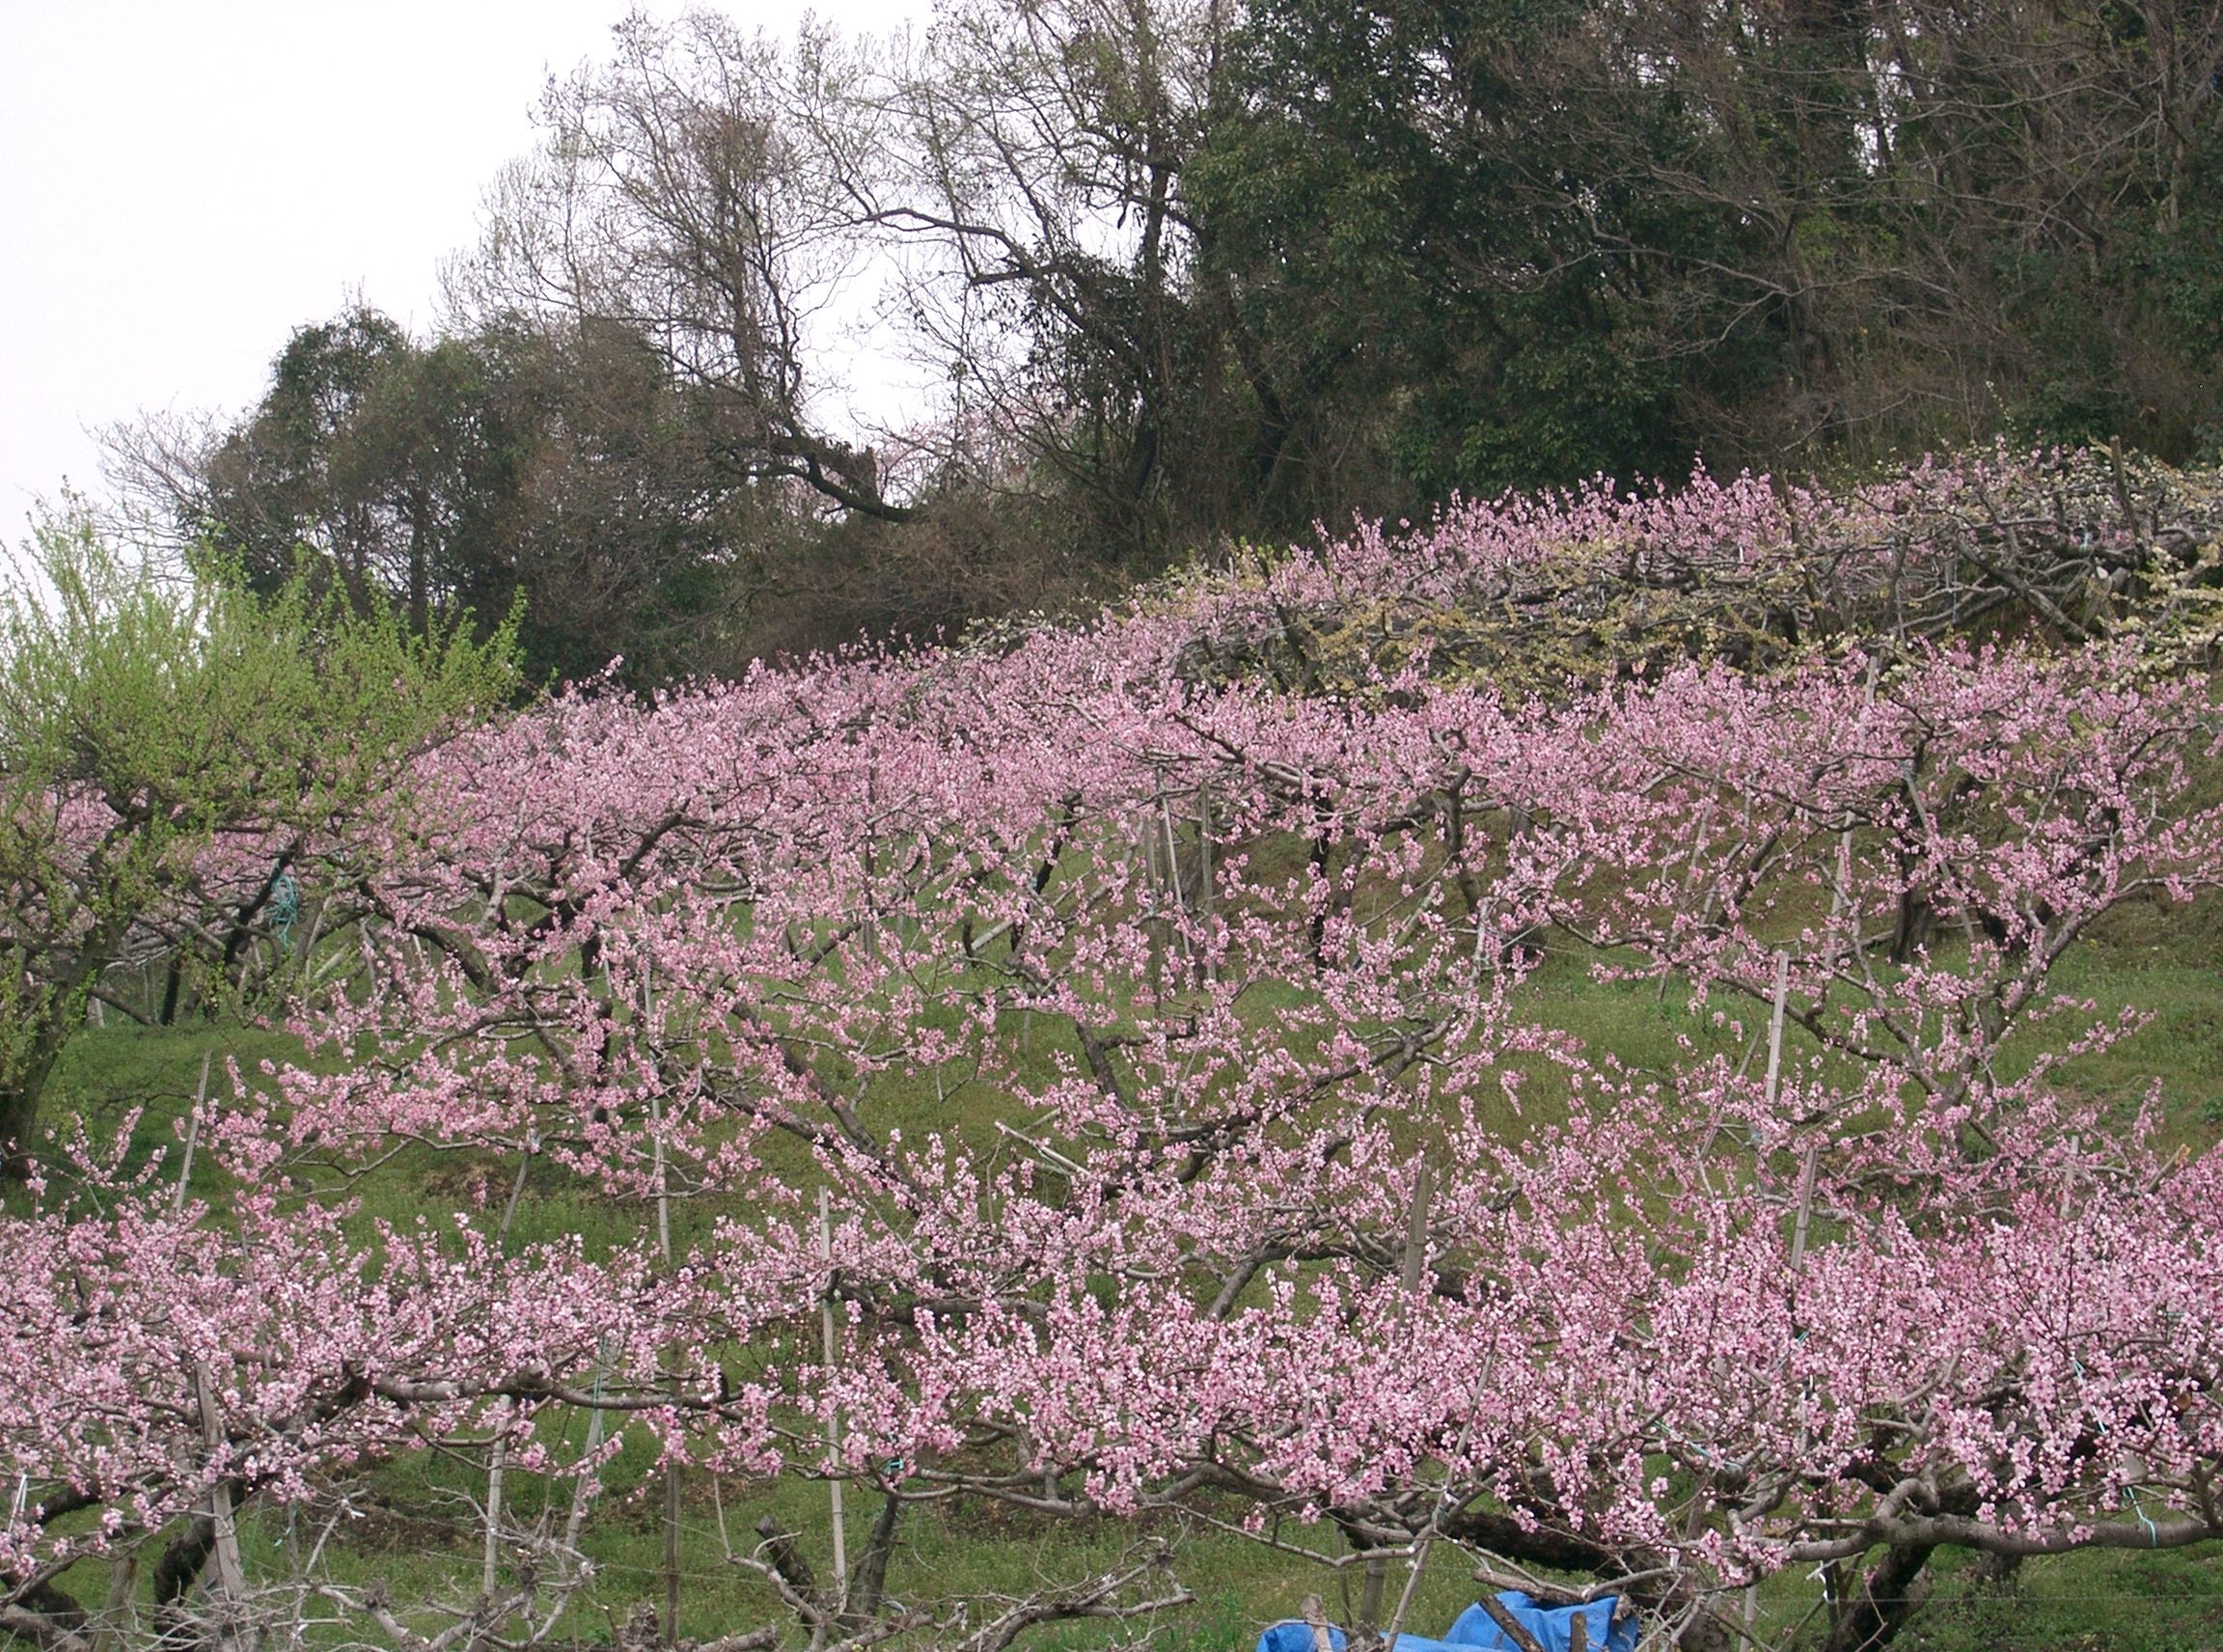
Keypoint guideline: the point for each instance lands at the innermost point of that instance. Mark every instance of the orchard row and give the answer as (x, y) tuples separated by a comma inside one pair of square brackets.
[(1060, 1076)]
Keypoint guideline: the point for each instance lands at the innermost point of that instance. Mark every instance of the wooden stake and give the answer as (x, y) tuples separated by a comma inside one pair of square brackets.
[(1805, 1204), (1805, 1207), (834, 1422), (672, 1553), (1416, 1226), (192, 1134), (576, 1523), (871, 872), (1415, 1261), (231, 1575), (1177, 909), (1776, 1027), (517, 1189), (490, 1563), (662, 1186), (1204, 866), (664, 1250)]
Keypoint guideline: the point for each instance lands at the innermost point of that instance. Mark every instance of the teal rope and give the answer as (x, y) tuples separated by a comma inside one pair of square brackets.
[(2153, 1531), (284, 908)]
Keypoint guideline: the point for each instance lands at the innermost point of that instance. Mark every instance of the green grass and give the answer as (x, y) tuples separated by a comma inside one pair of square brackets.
[(2115, 1602)]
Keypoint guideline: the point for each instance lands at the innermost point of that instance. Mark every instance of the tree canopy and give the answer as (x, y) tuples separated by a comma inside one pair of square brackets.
[(1189, 272)]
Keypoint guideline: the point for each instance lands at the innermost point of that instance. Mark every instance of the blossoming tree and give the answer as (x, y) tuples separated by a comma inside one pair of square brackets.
[(1060, 1078)]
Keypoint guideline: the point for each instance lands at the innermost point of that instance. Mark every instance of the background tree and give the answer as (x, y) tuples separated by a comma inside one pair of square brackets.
[(556, 470), (1181, 272), (392, 465), (674, 198), (1513, 245), (1038, 178), (1412, 326), (1906, 222)]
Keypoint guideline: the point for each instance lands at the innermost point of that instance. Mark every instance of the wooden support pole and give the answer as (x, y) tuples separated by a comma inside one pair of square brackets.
[(575, 1523), (1416, 1227), (672, 1553), (672, 1376), (231, 1574), (490, 1560), (1177, 908), (834, 1421), (1409, 1279), (1204, 872), (1805, 1207), (192, 1136), (1776, 1027)]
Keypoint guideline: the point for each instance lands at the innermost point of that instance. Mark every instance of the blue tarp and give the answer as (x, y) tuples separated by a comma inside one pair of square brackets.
[(1551, 1627), (1296, 1637)]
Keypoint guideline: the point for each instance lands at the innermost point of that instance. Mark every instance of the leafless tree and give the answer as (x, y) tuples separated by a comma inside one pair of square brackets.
[(673, 195), (1035, 188)]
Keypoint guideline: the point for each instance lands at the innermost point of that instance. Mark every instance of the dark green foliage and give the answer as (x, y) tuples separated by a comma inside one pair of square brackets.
[(1480, 244), (1426, 263), (557, 470)]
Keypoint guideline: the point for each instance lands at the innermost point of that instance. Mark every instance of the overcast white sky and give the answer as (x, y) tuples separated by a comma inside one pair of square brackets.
[(183, 182)]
